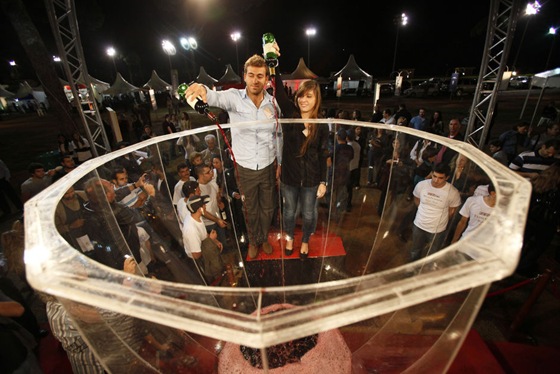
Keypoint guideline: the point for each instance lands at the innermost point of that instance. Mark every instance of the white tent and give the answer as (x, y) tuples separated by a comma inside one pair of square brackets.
[(157, 84), (354, 79), (229, 79), (205, 78), (545, 79), (120, 87), (300, 74)]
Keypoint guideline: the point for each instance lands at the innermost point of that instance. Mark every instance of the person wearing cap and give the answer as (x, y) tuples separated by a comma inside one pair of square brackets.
[(201, 246)]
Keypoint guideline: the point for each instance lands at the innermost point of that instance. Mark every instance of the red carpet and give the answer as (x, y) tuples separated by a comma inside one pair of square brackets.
[(320, 245)]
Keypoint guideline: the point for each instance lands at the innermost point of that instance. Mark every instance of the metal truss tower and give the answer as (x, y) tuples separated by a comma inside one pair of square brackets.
[(63, 20), (501, 27)]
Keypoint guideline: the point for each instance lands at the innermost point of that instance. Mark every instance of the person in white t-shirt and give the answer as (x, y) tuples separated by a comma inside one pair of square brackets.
[(474, 211), (437, 200), (200, 245), (184, 173)]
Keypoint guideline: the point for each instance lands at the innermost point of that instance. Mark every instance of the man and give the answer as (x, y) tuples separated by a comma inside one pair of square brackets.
[(388, 118), (189, 188), (211, 216), (529, 164), (109, 242), (200, 245), (445, 155), (474, 211), (437, 201), (68, 164), (184, 173), (255, 148), (212, 149), (168, 127), (37, 182), (419, 122), (127, 193)]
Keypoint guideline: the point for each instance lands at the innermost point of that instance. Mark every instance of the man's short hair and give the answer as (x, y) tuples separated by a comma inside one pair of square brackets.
[(199, 170), (255, 61), (34, 166), (182, 165), (442, 168), (117, 171), (209, 136)]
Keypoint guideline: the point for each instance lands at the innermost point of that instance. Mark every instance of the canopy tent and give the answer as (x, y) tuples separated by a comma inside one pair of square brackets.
[(5, 93), (229, 79), (157, 84), (354, 79), (204, 78), (300, 74), (545, 79), (120, 87)]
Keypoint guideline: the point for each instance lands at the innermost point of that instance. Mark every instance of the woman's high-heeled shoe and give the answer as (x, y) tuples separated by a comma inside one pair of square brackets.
[(304, 255), (289, 251)]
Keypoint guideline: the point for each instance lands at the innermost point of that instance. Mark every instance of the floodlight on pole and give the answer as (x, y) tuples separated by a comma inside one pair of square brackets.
[(531, 9), (111, 52), (235, 36), (12, 63), (309, 32), (551, 31), (401, 20)]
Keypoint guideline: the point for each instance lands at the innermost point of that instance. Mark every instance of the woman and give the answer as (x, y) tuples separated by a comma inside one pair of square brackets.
[(185, 121), (304, 164), (81, 148), (64, 146), (436, 123)]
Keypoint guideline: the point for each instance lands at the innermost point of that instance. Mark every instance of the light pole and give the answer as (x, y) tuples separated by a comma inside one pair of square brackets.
[(190, 44), (530, 10), (551, 31), (235, 37), (111, 52), (401, 20), (309, 32)]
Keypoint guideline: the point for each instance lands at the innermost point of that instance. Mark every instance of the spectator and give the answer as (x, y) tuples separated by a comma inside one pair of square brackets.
[(379, 143), (474, 212), (543, 219), (445, 155), (37, 182), (68, 164), (497, 153), (343, 154), (549, 114), (552, 131), (212, 218), (81, 147), (420, 122), (184, 173), (200, 245), (435, 125), (529, 164), (185, 121), (354, 176), (437, 200), (68, 216), (64, 146), (514, 140)]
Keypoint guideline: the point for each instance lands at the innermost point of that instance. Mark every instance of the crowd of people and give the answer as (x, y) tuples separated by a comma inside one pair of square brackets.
[(177, 212)]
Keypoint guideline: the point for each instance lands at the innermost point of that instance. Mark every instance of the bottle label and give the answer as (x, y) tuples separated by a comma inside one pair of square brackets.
[(269, 51), (192, 101)]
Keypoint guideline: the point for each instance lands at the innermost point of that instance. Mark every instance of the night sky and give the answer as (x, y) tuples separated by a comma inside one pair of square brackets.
[(440, 36)]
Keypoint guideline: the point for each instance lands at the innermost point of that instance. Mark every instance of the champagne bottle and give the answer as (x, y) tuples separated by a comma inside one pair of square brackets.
[(195, 102), (268, 48)]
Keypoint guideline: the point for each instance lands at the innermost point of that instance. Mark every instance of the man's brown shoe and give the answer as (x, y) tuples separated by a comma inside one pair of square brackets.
[(253, 249), (267, 248)]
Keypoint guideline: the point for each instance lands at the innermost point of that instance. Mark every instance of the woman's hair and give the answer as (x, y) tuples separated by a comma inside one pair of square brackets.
[(548, 179), (303, 89)]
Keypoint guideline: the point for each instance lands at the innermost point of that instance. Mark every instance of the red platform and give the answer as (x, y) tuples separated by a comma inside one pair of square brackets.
[(320, 245)]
